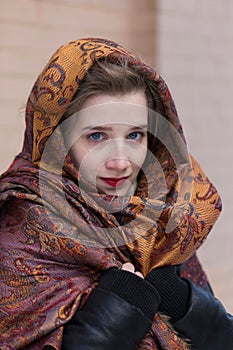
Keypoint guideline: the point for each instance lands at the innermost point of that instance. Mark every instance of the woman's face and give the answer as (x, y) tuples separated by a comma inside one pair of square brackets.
[(109, 141)]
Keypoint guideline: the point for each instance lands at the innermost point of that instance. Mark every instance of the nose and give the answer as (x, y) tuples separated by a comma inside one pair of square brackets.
[(118, 164), (118, 160)]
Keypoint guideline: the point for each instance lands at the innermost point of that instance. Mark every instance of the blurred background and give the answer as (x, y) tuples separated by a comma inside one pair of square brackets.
[(191, 44)]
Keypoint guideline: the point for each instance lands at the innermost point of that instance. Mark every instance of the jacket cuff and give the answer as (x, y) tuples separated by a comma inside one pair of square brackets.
[(173, 290), (132, 288)]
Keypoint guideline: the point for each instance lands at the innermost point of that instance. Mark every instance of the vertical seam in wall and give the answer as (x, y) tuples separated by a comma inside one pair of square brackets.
[(156, 31), (148, 52)]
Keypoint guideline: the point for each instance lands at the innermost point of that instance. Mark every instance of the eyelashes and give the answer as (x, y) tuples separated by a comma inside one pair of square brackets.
[(136, 135), (100, 136), (96, 136)]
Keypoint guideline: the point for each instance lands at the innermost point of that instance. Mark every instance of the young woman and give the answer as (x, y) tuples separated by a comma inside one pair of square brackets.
[(102, 213)]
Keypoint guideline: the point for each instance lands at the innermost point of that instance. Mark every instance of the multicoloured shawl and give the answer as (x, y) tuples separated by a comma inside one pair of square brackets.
[(55, 242)]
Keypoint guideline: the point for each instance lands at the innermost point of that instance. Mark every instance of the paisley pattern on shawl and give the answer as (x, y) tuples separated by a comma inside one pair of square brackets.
[(55, 245)]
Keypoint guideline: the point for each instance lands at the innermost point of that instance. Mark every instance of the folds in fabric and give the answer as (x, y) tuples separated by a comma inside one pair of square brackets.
[(55, 242)]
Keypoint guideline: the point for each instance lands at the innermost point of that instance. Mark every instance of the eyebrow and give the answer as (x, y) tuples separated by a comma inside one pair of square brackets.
[(105, 128)]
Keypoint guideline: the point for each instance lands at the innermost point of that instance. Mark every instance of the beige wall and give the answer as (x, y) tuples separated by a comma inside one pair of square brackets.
[(31, 30), (191, 42), (195, 56)]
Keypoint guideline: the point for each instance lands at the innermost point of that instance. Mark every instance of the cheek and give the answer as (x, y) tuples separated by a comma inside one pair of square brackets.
[(140, 154), (144, 153), (79, 154), (85, 160), (76, 155)]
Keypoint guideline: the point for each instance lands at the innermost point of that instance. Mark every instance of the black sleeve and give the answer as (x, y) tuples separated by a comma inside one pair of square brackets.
[(194, 312), (117, 315), (206, 323)]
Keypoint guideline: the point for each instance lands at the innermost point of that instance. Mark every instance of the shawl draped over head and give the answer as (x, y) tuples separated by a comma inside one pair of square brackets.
[(56, 242)]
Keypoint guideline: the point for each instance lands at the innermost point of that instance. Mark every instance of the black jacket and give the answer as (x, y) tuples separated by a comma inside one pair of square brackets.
[(119, 312)]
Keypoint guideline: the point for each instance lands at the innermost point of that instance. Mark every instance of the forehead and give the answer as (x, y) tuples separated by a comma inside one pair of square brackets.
[(106, 109)]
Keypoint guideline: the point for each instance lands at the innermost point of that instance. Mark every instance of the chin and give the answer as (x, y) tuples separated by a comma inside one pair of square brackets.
[(120, 192)]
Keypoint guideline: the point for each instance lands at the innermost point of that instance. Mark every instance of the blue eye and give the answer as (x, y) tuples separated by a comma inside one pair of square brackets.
[(96, 136), (135, 135)]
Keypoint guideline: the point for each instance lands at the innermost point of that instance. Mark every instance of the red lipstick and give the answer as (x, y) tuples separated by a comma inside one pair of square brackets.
[(113, 181)]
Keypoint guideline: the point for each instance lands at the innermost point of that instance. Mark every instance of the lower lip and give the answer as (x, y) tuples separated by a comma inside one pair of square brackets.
[(114, 183)]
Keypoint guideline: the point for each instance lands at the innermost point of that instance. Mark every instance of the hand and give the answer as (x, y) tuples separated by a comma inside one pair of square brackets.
[(130, 267)]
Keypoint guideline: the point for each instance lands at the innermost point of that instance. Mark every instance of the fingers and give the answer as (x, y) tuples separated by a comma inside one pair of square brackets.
[(139, 274), (130, 267)]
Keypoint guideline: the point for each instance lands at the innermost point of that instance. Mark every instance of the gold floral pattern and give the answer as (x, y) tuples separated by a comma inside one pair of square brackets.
[(47, 270)]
